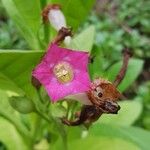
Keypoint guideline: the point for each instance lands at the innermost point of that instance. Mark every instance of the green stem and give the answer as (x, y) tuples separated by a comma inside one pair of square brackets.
[(43, 116), (60, 128), (35, 130), (62, 132), (49, 118), (43, 3)]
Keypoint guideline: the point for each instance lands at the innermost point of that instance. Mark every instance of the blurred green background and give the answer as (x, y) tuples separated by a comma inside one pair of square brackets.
[(104, 27)]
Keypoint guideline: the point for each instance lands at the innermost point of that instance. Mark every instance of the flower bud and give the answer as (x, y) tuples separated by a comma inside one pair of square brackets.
[(55, 16), (57, 19)]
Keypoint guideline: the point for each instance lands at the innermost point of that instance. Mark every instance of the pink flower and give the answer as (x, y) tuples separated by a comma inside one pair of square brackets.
[(63, 72)]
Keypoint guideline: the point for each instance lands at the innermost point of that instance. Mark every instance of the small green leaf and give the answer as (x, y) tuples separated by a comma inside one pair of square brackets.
[(127, 115), (58, 110), (133, 71), (22, 104), (84, 41)]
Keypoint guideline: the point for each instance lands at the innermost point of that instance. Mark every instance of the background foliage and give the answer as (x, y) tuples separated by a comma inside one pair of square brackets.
[(29, 120)]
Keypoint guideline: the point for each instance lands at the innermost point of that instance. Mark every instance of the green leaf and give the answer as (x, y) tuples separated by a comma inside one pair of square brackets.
[(10, 137), (146, 121), (127, 115), (74, 133), (133, 71), (27, 16), (16, 66), (97, 143), (7, 112), (8, 86), (132, 134), (22, 104), (96, 67), (75, 11), (5, 107), (84, 41)]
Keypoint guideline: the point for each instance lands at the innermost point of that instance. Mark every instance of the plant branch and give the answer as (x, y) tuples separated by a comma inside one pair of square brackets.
[(126, 56)]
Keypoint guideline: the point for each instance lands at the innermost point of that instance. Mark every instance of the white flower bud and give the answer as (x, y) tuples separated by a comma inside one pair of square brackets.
[(56, 19)]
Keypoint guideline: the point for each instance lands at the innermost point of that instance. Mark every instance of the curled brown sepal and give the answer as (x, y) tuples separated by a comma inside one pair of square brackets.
[(35, 83), (62, 33), (46, 10), (126, 56)]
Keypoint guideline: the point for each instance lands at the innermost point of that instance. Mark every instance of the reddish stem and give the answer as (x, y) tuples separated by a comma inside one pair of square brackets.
[(62, 33), (126, 56)]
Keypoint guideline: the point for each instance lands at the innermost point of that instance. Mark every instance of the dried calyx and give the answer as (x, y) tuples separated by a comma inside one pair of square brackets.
[(63, 32), (102, 90)]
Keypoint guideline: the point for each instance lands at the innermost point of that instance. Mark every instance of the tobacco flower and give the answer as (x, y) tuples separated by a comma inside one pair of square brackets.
[(63, 72)]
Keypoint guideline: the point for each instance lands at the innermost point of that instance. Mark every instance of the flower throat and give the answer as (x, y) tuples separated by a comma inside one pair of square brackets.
[(63, 72)]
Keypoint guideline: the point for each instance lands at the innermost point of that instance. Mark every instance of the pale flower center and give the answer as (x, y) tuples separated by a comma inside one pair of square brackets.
[(63, 72)]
